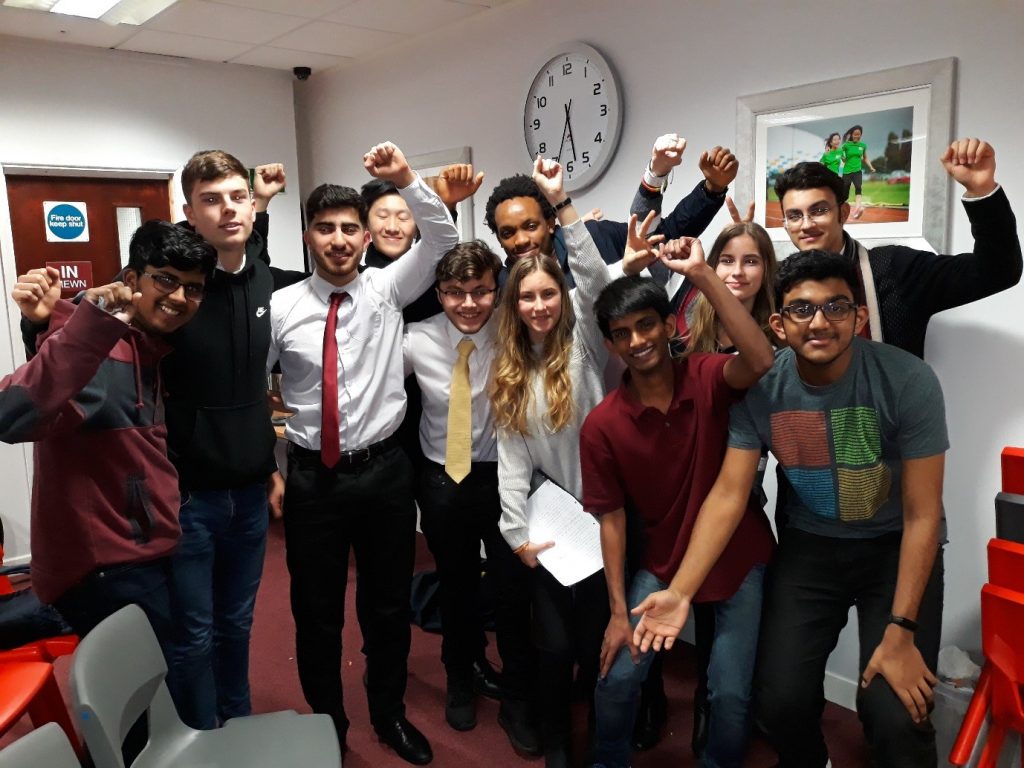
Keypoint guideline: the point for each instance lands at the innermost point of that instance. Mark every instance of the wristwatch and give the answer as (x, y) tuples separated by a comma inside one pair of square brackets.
[(903, 622)]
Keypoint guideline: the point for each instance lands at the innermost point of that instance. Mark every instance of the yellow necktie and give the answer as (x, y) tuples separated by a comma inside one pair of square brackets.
[(458, 453)]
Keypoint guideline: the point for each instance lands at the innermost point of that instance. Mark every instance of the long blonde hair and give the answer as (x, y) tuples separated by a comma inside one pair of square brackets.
[(706, 327), (515, 363)]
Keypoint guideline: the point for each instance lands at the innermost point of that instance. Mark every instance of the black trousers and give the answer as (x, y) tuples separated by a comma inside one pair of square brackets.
[(814, 581), (455, 518), (568, 624), (368, 508)]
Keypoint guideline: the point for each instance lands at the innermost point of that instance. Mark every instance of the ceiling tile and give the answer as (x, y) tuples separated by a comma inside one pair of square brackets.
[(283, 58), (224, 22), (336, 39), (61, 28), (408, 16), (186, 46), (309, 9)]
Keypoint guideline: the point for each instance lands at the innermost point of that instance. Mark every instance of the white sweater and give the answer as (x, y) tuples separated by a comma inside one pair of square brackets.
[(557, 454)]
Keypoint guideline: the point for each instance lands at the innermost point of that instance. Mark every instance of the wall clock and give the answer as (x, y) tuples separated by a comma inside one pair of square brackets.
[(573, 114)]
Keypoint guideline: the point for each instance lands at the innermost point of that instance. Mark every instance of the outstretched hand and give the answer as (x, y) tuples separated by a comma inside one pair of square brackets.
[(972, 163), (36, 293), (386, 161), (640, 251), (662, 616), (547, 174), (667, 153), (719, 166), (457, 182), (735, 213), (685, 255)]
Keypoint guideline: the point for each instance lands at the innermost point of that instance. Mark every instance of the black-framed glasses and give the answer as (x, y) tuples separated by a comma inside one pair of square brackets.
[(478, 294), (168, 284), (834, 311), (817, 214)]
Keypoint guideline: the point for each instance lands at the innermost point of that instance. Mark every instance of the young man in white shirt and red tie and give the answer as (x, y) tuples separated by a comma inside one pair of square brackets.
[(338, 338), (451, 355)]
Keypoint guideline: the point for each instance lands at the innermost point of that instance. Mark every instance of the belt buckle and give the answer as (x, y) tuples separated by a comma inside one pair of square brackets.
[(358, 456)]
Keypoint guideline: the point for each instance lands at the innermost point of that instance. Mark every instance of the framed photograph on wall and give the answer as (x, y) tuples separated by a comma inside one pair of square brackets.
[(881, 132), (429, 165)]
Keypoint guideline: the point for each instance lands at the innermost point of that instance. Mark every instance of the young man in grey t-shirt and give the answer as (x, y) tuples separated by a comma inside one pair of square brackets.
[(859, 430)]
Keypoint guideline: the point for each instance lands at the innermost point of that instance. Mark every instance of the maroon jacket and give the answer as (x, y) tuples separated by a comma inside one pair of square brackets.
[(103, 492)]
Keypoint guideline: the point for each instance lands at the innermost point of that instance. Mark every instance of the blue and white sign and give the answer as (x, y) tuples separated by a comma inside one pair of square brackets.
[(65, 222)]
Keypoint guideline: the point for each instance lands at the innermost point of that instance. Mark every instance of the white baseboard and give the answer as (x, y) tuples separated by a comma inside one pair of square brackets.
[(839, 690)]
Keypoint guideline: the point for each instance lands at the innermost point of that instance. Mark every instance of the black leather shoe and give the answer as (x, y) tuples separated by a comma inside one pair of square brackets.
[(699, 740), (486, 680), (403, 737), (650, 720), (516, 720), (460, 705), (557, 756)]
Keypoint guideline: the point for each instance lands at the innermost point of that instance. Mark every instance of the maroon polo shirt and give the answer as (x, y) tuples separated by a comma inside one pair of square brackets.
[(664, 465)]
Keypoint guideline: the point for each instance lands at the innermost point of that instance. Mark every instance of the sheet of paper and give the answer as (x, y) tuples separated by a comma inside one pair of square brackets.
[(554, 515)]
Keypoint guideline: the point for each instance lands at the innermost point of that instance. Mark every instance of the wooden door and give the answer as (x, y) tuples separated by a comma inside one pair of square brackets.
[(113, 207)]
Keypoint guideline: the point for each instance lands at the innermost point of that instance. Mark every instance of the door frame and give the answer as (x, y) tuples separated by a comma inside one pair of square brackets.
[(12, 352)]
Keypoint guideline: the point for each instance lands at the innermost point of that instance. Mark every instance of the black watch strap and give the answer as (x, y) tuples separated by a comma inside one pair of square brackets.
[(901, 621)]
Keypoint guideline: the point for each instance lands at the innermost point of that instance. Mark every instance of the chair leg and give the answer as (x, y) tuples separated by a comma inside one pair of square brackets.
[(48, 707), (993, 746), (960, 754)]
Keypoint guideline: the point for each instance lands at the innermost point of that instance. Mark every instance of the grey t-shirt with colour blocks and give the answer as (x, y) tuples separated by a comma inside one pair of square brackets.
[(842, 445)]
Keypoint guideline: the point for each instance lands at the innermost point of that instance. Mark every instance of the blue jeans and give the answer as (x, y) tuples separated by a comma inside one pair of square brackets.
[(730, 677), (215, 573)]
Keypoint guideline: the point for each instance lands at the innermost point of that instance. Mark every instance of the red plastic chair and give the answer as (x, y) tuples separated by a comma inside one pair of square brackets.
[(1002, 620), (30, 687), (1006, 564)]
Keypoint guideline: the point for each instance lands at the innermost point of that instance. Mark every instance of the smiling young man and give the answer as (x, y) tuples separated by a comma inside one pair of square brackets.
[(860, 434), (105, 495), (451, 357), (655, 446), (337, 336)]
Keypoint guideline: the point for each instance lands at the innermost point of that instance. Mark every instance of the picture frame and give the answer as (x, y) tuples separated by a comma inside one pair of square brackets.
[(429, 164), (906, 118)]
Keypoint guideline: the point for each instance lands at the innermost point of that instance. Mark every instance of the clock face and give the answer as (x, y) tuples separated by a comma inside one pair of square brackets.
[(573, 115)]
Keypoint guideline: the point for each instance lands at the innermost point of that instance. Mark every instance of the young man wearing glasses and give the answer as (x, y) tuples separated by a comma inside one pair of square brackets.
[(859, 431), (458, 490), (105, 496)]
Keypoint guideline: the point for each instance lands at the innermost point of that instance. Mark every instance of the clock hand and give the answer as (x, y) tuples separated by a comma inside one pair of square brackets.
[(568, 124), (562, 144)]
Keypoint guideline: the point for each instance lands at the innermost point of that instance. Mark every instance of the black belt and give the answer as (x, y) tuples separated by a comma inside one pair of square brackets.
[(348, 458), (478, 470)]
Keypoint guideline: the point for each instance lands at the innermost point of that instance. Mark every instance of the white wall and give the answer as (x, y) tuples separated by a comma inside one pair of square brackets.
[(681, 64), (71, 106)]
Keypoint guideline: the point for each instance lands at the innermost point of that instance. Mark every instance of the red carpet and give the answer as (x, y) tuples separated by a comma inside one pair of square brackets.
[(275, 686)]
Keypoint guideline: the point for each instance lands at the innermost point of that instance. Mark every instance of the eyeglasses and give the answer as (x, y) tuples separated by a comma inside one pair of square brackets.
[(817, 214), (834, 311), (168, 284), (478, 294)]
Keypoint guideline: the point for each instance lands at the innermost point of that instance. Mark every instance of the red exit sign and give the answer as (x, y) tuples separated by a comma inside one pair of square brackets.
[(75, 276)]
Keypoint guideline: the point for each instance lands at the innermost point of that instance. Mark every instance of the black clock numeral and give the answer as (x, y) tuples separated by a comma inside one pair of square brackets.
[(551, 80), (567, 68), (604, 110), (568, 167), (536, 123), (542, 147), (542, 101), (597, 89), (586, 158), (598, 138)]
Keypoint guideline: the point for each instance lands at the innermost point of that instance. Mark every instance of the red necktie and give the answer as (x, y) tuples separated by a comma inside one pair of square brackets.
[(330, 441)]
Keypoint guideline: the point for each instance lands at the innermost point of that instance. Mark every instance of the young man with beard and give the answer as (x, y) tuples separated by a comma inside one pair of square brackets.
[(451, 357), (860, 433), (654, 446), (337, 336), (524, 223), (105, 496)]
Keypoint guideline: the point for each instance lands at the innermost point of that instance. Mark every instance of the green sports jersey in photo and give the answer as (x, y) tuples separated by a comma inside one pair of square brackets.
[(853, 154), (832, 158)]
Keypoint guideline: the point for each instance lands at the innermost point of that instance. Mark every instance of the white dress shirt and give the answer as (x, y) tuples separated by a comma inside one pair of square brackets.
[(429, 349), (371, 391)]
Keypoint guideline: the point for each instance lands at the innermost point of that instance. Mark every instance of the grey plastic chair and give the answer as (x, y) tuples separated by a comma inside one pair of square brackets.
[(45, 747), (118, 674)]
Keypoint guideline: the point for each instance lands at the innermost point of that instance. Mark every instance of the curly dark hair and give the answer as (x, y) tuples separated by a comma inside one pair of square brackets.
[(519, 185)]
